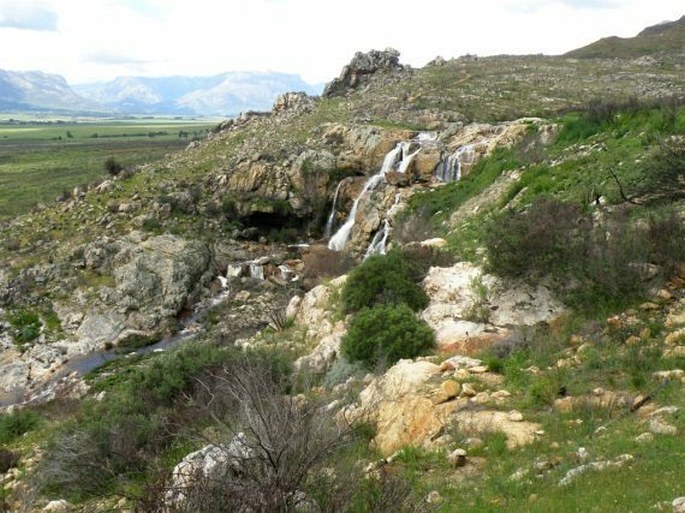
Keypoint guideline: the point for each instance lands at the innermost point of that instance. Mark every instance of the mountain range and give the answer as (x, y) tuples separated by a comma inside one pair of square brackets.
[(218, 95)]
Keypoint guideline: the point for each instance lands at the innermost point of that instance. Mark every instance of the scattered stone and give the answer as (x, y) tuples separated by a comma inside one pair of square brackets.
[(675, 337), (434, 497), (519, 474), (582, 454), (674, 374), (450, 389), (457, 458), (481, 398), (617, 462), (459, 362), (467, 390), (633, 340), (57, 506), (659, 426), (644, 438), (678, 505), (675, 352), (515, 416)]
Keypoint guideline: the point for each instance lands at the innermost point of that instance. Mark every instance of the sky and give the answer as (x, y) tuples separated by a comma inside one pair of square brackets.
[(96, 40)]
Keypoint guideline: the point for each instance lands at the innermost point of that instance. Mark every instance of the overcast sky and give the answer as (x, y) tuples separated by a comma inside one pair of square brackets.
[(88, 40)]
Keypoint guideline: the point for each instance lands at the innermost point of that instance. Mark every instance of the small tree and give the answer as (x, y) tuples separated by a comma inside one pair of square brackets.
[(273, 443), (664, 172), (386, 333), (112, 167)]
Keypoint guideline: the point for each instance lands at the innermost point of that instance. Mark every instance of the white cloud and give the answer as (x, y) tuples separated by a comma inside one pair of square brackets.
[(104, 38), (27, 15)]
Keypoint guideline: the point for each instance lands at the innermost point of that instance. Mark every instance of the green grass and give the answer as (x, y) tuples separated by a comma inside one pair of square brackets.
[(40, 162)]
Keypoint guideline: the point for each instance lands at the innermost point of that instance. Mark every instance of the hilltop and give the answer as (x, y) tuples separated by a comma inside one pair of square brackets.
[(454, 288), (664, 39)]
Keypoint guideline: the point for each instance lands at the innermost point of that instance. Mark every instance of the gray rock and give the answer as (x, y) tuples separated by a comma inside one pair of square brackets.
[(164, 275), (362, 65), (98, 329)]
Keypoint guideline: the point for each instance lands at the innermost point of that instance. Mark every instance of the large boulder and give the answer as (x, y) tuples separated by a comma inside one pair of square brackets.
[(163, 276), (400, 405), (469, 308), (313, 312), (199, 469), (360, 67)]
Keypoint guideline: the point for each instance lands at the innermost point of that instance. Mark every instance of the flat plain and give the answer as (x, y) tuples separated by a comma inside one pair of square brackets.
[(43, 159)]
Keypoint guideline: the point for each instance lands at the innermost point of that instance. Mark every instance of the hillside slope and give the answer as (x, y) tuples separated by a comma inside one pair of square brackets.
[(665, 39), (538, 259)]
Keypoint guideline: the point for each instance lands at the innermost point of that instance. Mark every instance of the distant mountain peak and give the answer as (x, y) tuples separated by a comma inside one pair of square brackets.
[(223, 94)]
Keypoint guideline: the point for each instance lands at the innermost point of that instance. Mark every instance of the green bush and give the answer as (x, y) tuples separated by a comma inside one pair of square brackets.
[(535, 242), (112, 167), (384, 279), (386, 333), (13, 425), (663, 173), (25, 326), (591, 263)]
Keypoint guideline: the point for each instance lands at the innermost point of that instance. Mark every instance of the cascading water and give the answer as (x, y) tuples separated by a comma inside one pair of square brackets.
[(398, 159), (449, 170), (379, 241), (331, 218)]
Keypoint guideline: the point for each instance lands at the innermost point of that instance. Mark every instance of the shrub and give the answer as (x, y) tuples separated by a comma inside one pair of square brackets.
[(532, 243), (8, 459), (112, 167), (386, 333), (666, 236), (116, 440), (664, 171), (384, 279), (13, 425), (25, 326)]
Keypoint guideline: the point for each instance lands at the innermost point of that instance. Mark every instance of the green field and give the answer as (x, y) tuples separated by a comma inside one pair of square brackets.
[(40, 160)]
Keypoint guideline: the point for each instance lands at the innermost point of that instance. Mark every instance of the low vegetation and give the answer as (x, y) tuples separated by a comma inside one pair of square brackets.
[(384, 280), (381, 335)]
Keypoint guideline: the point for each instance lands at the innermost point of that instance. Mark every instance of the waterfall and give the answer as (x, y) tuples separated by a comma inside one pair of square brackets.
[(449, 170), (398, 159), (379, 241), (331, 218)]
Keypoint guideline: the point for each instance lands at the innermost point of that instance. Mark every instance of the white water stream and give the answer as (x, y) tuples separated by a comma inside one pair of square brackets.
[(398, 159), (449, 170)]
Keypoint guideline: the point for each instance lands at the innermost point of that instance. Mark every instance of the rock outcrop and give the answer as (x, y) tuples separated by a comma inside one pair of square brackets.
[(469, 309), (362, 65)]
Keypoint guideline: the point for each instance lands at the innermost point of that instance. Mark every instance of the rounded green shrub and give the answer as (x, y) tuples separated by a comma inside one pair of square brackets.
[(386, 333), (384, 279)]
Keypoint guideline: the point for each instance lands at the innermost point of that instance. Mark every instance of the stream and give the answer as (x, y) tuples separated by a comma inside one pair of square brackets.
[(83, 364)]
